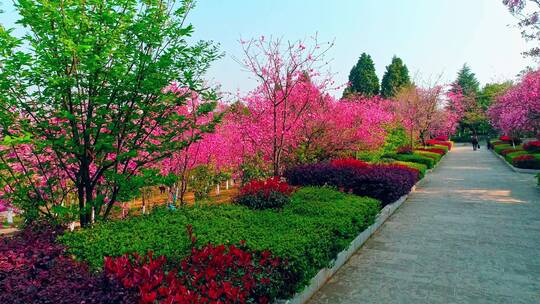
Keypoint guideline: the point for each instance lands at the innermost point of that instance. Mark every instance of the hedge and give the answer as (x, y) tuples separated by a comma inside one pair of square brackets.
[(527, 161), (309, 232), (510, 156), (436, 156), (415, 158), (499, 147), (420, 167), (386, 183)]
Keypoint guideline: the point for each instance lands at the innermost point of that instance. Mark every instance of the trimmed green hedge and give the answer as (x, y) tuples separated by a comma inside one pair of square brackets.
[(420, 167), (309, 232), (436, 156), (445, 148), (415, 158), (499, 148)]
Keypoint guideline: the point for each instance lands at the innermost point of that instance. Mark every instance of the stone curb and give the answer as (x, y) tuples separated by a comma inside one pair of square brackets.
[(518, 170)]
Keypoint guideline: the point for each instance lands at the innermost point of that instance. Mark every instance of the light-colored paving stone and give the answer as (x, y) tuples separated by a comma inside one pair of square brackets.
[(469, 234)]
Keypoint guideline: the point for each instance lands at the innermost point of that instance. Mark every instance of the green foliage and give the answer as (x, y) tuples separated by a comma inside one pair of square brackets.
[(395, 77), (201, 181), (499, 148), (466, 80), (445, 148), (369, 156), (508, 157), (91, 74), (436, 156), (490, 92), (396, 137), (310, 231), (254, 168), (362, 78), (415, 158), (420, 167)]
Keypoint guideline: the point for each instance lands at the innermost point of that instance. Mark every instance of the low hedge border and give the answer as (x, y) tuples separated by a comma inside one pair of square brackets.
[(320, 279), (518, 170)]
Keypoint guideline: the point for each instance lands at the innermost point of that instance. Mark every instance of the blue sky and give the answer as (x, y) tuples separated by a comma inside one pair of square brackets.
[(433, 37)]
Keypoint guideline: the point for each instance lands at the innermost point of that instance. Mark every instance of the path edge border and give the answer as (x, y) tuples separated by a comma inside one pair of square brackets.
[(518, 170), (319, 280)]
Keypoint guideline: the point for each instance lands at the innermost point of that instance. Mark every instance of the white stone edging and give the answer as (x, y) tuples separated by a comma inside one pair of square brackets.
[(518, 170), (325, 274)]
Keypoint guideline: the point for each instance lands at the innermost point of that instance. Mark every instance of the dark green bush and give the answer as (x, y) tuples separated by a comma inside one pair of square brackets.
[(317, 224), (261, 200)]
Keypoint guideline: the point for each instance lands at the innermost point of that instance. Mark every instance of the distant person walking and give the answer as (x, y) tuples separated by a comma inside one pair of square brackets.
[(474, 141)]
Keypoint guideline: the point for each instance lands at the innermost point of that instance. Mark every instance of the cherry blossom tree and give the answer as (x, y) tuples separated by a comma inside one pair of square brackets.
[(518, 110), (289, 86)]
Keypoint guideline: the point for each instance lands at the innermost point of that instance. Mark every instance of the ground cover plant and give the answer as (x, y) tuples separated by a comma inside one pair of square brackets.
[(308, 232)]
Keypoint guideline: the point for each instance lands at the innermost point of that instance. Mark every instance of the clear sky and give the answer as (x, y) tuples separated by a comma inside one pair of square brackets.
[(433, 37)]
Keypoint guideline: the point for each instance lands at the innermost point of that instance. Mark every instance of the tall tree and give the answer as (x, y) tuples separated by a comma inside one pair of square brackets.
[(362, 78), (467, 82), (395, 78), (490, 92), (84, 107)]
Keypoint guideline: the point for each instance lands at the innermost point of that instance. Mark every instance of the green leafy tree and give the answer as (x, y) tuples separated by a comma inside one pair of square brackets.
[(83, 109), (490, 92), (395, 77), (362, 78)]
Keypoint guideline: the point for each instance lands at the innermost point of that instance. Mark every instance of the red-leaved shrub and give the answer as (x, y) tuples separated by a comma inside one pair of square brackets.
[(349, 162), (510, 150), (526, 161), (33, 269), (272, 184), (505, 138), (213, 274), (441, 138), (433, 142), (532, 146), (433, 150), (264, 194)]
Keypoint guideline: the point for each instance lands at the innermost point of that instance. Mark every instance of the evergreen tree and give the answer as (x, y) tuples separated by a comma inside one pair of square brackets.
[(395, 77), (466, 80), (362, 78)]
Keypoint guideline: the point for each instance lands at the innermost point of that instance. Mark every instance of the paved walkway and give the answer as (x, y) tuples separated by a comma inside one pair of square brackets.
[(469, 234)]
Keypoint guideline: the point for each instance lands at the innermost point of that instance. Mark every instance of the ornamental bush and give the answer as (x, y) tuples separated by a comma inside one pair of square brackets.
[(432, 150), (33, 269), (263, 194), (532, 146), (386, 183), (526, 161), (212, 274), (500, 147), (510, 156), (415, 158), (420, 167), (433, 142), (510, 150), (441, 138), (404, 150), (308, 232), (435, 156)]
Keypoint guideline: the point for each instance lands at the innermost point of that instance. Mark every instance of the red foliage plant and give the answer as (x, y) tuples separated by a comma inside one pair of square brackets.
[(432, 150), (505, 138), (273, 184), (532, 146), (405, 150), (510, 150), (349, 162), (212, 274), (433, 142)]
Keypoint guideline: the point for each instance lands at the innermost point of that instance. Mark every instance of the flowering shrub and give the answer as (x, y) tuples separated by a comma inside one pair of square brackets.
[(269, 193), (526, 161), (213, 274), (33, 269), (405, 150), (386, 183), (433, 142), (532, 146), (505, 138)]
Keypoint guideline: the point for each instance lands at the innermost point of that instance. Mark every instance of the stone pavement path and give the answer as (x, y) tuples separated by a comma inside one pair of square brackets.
[(469, 234)]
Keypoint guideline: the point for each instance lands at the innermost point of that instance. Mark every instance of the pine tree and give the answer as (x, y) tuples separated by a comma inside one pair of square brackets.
[(466, 80), (395, 77), (362, 78)]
